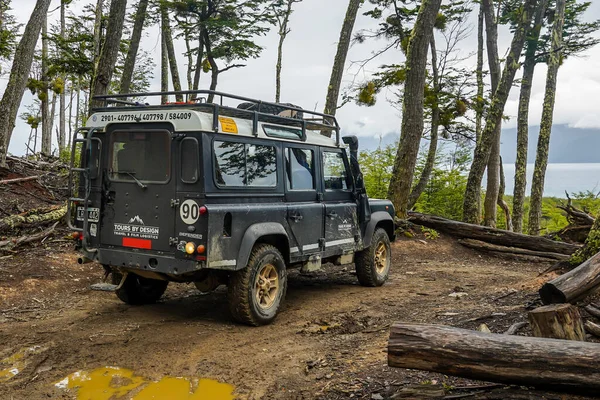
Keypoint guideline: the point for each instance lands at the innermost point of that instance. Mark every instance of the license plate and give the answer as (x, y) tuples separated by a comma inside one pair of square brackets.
[(93, 214)]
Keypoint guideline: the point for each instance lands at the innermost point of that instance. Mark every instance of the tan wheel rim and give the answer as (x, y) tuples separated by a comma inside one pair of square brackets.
[(381, 258), (266, 286)]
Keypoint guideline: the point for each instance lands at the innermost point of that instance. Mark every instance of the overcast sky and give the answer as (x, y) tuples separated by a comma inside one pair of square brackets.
[(308, 56)]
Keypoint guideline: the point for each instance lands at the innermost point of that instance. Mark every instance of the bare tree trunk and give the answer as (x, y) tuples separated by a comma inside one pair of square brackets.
[(541, 159), (479, 73), (435, 124), (110, 51), (523, 117), (164, 69), (134, 45), (337, 71), (71, 95), (493, 167), (166, 32), (412, 107), (283, 32), (190, 59), (503, 205), (52, 113), (46, 128), (199, 59), (11, 100), (97, 33), (214, 68), (482, 152), (63, 98)]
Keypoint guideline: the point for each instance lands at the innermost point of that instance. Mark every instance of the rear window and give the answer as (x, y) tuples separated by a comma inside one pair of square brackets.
[(140, 155)]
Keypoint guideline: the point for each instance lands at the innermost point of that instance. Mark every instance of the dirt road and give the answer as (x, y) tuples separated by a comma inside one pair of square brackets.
[(57, 337)]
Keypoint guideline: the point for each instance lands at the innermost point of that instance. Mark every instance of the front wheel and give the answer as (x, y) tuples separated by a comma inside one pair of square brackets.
[(373, 263), (256, 292), (138, 290)]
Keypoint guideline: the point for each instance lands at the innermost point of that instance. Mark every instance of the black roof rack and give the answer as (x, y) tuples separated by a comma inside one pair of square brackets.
[(196, 100)]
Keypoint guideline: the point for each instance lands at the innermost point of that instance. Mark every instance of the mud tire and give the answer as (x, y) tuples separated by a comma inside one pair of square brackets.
[(137, 290), (241, 291), (365, 263)]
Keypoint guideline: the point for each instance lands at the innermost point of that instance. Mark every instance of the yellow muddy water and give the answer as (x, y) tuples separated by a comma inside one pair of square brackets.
[(14, 364), (111, 382)]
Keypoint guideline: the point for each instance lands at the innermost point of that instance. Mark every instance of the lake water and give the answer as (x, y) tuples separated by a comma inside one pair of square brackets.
[(560, 177)]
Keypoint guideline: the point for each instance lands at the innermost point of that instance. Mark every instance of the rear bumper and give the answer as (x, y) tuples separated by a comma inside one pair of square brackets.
[(145, 261)]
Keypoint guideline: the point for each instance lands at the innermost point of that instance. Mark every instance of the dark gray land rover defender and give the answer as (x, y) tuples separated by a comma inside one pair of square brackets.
[(216, 194)]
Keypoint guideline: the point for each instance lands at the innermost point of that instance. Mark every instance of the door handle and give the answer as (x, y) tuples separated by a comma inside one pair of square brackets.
[(331, 214), (296, 217)]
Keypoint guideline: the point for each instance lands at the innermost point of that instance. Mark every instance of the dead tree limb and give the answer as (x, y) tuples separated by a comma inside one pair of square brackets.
[(492, 235), (574, 285), (593, 311), (516, 327), (11, 244), (17, 180), (34, 217), (592, 328), (483, 246), (549, 363)]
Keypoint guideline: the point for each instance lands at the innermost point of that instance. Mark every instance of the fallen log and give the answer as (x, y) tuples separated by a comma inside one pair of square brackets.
[(574, 285), (11, 244), (492, 235), (592, 328), (17, 180), (516, 327), (593, 311), (33, 217), (549, 363), (557, 321), (483, 246)]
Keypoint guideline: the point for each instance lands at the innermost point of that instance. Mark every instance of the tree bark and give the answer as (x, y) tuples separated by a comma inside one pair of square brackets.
[(493, 166), (109, 53), (435, 125), (214, 67), (166, 32), (482, 152), (541, 159), (592, 328), (483, 246), (548, 363), (199, 60), (11, 100), (337, 71), (63, 98), (283, 32), (97, 45), (479, 75), (501, 202), (492, 235), (134, 45), (45, 100), (164, 69), (575, 285), (523, 116), (557, 321), (412, 107)]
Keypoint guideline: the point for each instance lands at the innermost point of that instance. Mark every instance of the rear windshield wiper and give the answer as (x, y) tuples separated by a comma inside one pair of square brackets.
[(132, 175)]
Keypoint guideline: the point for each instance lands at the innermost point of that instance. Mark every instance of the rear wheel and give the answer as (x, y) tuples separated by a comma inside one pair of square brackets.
[(256, 292), (138, 290), (373, 263)]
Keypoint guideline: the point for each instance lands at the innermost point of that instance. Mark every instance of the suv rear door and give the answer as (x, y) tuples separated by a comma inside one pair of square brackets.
[(139, 188)]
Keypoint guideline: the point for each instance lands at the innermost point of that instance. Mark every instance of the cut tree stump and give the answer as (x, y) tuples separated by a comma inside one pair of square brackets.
[(492, 235), (549, 363), (483, 246), (557, 321), (574, 285)]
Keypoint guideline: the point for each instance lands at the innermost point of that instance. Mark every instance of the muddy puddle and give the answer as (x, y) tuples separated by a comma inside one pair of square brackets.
[(110, 382), (14, 364)]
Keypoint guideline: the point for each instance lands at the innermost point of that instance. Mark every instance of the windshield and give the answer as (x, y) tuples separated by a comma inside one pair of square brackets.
[(140, 156)]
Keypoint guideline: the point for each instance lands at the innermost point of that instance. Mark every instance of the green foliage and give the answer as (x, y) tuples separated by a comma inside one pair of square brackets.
[(376, 167), (8, 32), (430, 233)]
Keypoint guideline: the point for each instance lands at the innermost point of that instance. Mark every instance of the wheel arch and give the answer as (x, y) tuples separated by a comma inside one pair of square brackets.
[(269, 232), (379, 219)]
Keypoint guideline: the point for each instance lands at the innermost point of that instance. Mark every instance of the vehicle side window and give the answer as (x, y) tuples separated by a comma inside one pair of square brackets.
[(242, 164), (189, 160), (300, 168), (335, 175)]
